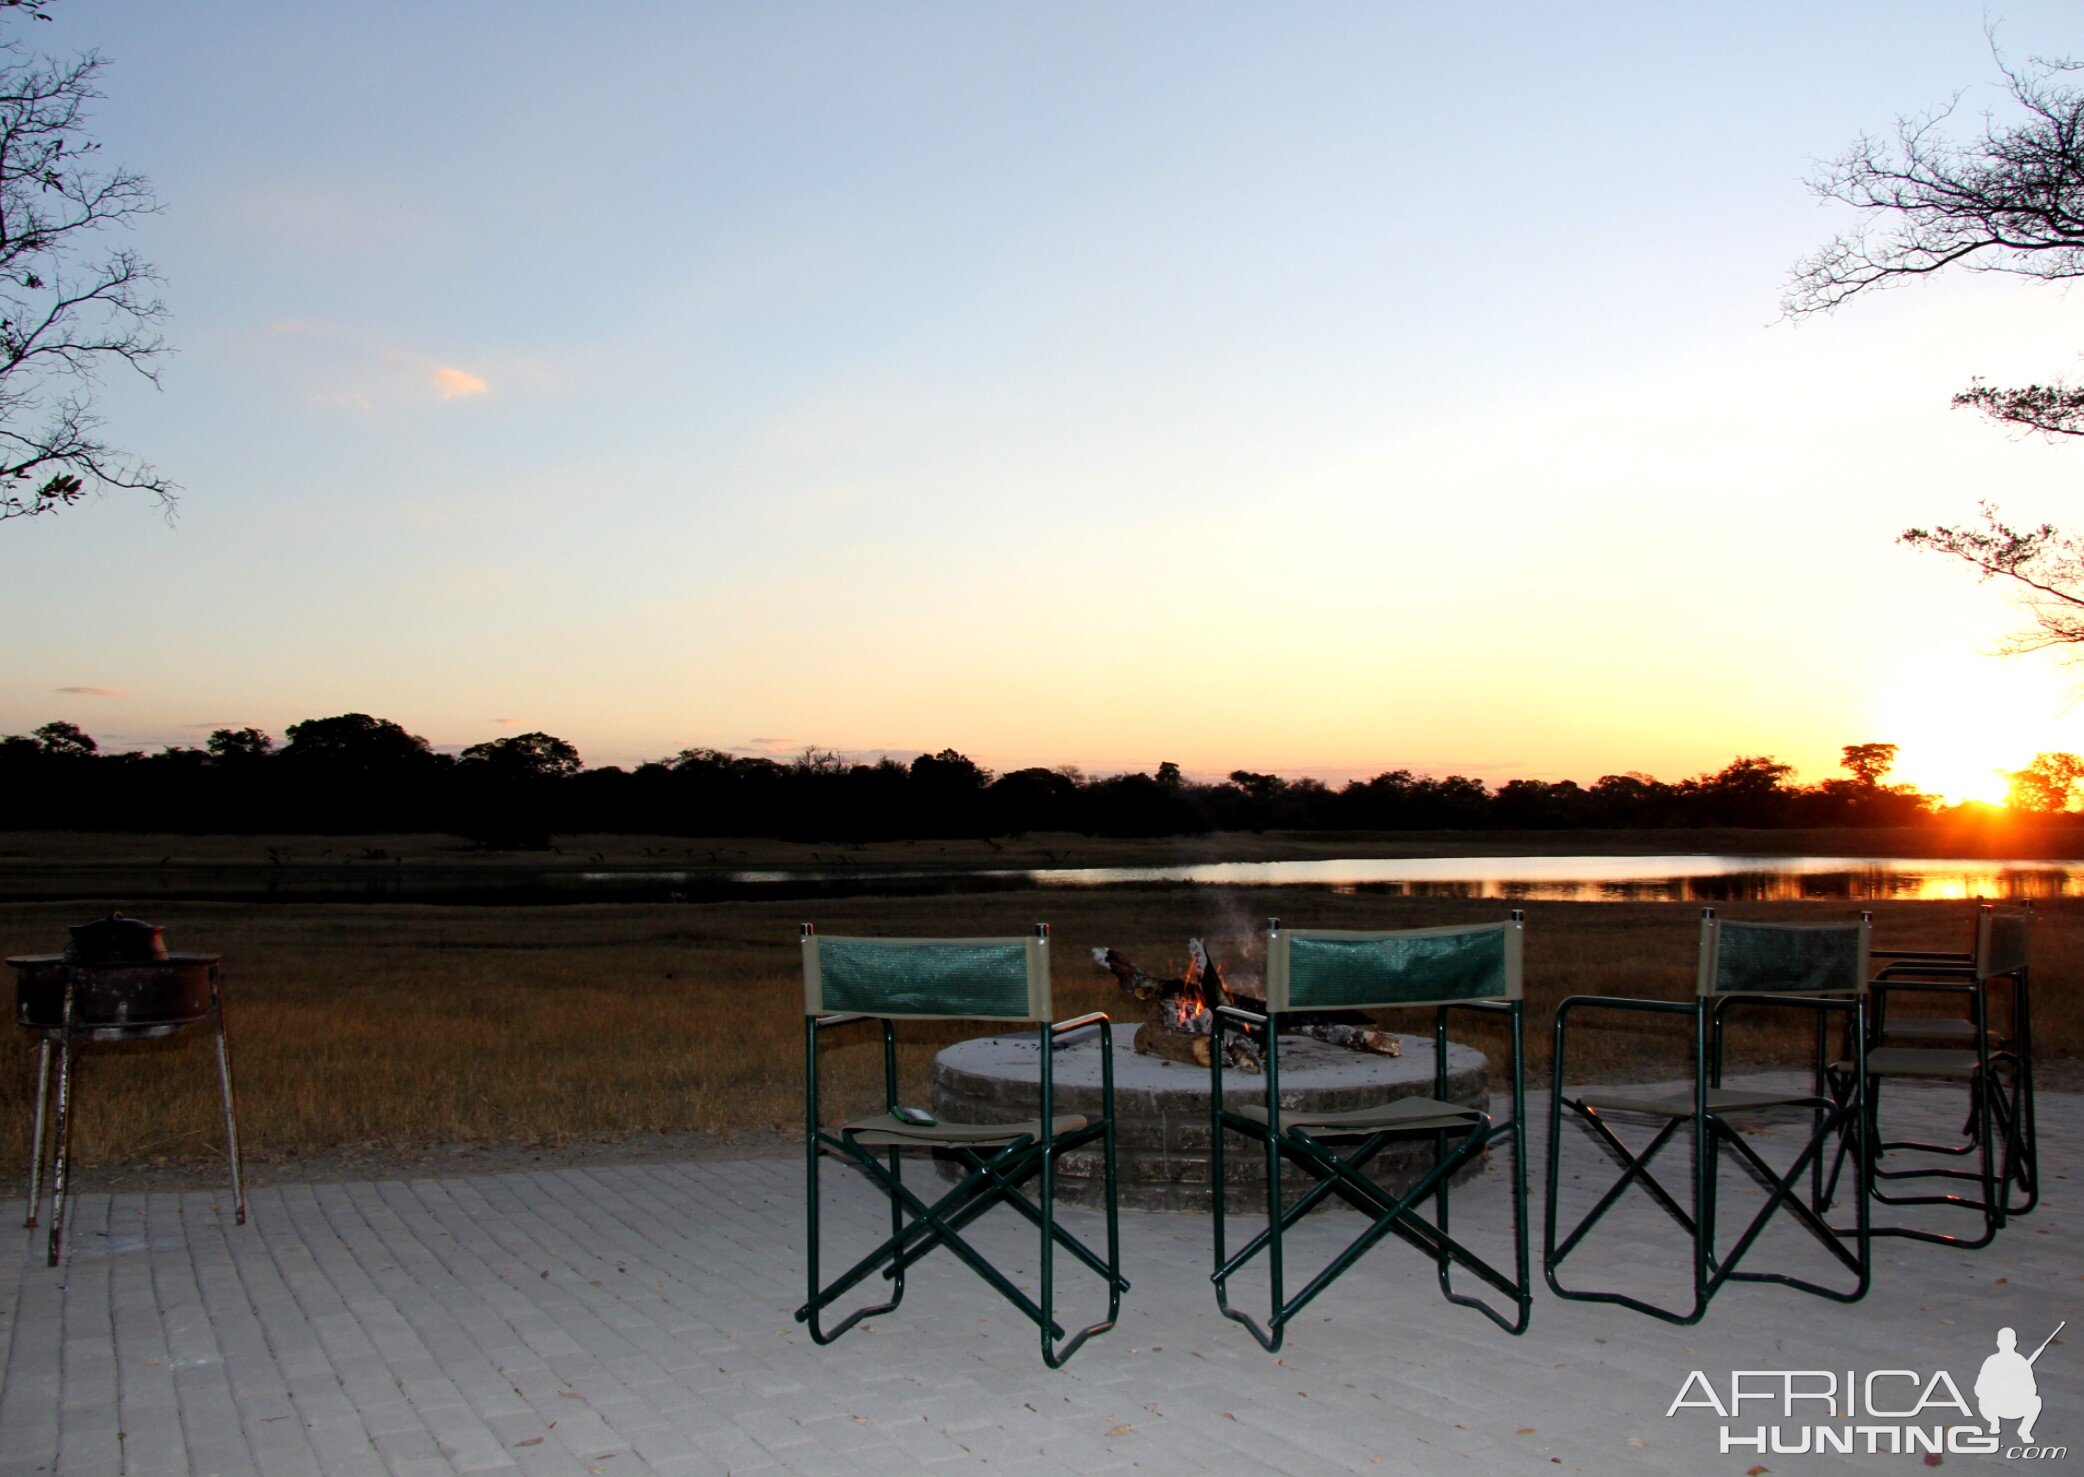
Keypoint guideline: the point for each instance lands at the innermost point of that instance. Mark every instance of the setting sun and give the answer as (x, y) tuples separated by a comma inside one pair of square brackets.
[(1964, 721)]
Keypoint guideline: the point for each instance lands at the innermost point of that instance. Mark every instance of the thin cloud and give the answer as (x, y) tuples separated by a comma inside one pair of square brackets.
[(92, 691), (447, 380), (455, 384)]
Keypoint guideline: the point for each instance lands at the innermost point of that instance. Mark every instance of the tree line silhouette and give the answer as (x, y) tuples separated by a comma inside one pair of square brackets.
[(355, 773)]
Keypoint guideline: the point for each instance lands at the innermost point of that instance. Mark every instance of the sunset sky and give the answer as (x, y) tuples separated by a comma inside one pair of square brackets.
[(1319, 389)]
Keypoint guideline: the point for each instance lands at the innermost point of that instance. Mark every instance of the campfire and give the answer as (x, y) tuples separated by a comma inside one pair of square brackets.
[(1179, 1014)]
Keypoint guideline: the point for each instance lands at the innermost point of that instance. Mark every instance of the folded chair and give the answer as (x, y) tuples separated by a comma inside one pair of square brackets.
[(1894, 1028), (848, 981), (1988, 1050), (1820, 968), (1464, 967)]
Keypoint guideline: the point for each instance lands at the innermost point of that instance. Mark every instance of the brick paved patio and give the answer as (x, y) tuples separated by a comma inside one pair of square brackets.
[(634, 1320)]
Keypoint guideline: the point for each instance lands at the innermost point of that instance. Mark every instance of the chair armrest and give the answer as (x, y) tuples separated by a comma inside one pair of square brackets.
[(1912, 969), (1240, 1014), (825, 1022), (1603, 1002), (1623, 1002), (1062, 1029), (1725, 1004)]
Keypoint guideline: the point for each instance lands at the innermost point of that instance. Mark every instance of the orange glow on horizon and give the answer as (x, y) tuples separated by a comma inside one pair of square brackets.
[(1954, 771), (1964, 721)]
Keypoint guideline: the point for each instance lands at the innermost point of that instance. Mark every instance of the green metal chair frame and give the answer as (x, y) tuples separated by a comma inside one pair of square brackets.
[(1822, 968), (1455, 968), (854, 980), (1989, 1051)]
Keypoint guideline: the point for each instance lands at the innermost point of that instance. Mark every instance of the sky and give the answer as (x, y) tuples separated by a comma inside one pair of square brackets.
[(1319, 389)]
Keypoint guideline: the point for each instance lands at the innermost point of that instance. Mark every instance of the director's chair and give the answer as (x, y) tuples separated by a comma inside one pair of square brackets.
[(847, 981), (1821, 968), (1462, 967), (1988, 1050)]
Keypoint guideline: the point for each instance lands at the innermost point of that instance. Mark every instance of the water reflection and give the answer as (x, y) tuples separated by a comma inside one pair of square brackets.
[(1669, 878), (1688, 878)]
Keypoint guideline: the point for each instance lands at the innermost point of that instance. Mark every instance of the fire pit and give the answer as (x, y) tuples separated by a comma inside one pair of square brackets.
[(1334, 1061), (115, 982)]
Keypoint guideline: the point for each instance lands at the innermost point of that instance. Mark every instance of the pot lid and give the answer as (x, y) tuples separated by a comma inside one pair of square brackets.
[(116, 940)]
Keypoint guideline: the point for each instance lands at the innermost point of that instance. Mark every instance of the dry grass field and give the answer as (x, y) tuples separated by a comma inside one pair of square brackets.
[(385, 1028)]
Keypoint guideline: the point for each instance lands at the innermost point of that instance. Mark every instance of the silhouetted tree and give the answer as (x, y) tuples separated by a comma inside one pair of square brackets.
[(1748, 791), (1862, 800), (353, 741), (2011, 201), (2046, 786), (238, 745), (1532, 804), (506, 791), (354, 772), (2043, 566), (948, 791), (1033, 800), (1633, 799), (66, 741), (1867, 763), (1260, 789), (525, 756), (70, 305)]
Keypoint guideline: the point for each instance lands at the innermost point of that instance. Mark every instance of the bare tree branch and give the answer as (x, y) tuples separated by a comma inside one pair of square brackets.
[(2050, 410), (2010, 201), (70, 304), (2043, 566)]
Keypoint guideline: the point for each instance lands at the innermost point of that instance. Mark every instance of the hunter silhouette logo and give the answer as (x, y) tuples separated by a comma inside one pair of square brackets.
[(1879, 1411), (2006, 1389)]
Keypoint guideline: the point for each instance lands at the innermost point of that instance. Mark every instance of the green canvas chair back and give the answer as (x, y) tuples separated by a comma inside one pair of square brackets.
[(1341, 969), (1781, 958), (928, 978), (2000, 943)]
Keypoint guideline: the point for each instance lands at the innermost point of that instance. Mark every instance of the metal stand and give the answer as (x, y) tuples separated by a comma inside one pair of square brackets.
[(66, 1037)]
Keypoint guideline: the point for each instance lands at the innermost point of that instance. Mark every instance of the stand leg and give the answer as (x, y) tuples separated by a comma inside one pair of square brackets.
[(61, 1155), (224, 1083), (43, 1092)]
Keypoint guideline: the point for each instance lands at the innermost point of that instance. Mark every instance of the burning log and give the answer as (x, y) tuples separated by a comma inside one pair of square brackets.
[(1179, 1023), (1178, 1014)]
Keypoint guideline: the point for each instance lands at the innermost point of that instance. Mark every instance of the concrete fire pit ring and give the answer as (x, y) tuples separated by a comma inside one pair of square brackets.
[(1162, 1110)]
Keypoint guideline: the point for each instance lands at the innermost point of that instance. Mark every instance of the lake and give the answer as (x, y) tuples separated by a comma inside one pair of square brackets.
[(1684, 877), (1690, 877)]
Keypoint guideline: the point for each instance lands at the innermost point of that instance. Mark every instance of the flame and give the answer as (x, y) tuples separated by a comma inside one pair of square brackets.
[(1191, 1009)]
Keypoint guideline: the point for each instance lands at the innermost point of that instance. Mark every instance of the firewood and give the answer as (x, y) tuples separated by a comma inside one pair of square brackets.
[(1356, 1038), (1132, 979), (1153, 1039)]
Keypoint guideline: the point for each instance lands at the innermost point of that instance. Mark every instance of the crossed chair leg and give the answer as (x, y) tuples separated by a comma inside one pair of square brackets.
[(1711, 1267), (992, 1180), (1388, 1214), (1997, 1129), (2005, 1095)]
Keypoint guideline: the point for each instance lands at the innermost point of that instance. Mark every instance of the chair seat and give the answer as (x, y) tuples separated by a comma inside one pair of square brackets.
[(886, 1132), (1398, 1113), (1921, 1061), (1680, 1104), (1935, 1031)]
